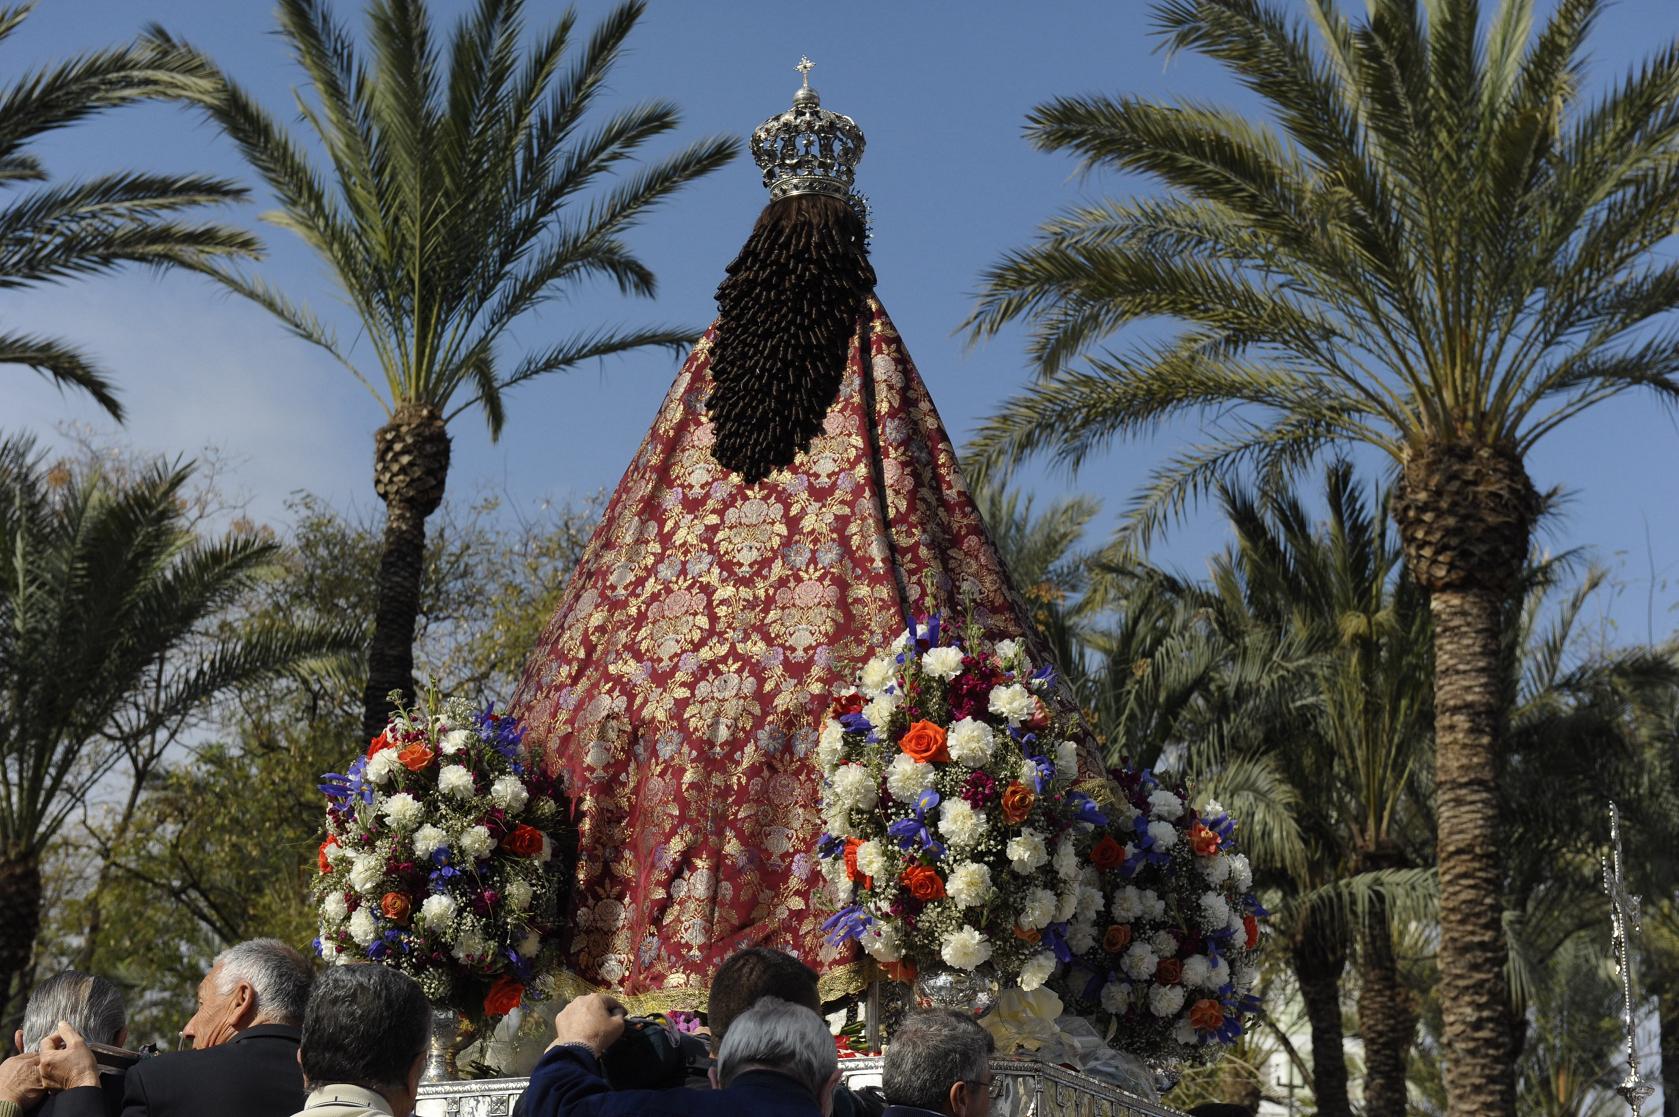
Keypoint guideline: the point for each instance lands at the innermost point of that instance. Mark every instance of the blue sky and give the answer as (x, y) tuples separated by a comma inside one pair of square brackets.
[(941, 88)]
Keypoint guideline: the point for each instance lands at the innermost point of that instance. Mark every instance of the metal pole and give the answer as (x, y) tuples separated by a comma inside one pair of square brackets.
[(1624, 917)]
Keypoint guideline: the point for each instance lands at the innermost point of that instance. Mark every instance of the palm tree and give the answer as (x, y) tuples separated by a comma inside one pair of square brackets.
[(50, 233), (453, 204), (110, 632), (1437, 251)]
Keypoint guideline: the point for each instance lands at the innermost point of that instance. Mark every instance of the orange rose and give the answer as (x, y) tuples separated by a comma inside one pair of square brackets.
[(1117, 938), (923, 883), (1206, 1015), (902, 970), (1168, 971), (323, 860), (504, 996), (924, 741), (523, 841), (380, 743), (395, 905), (1107, 853), (1203, 841), (1017, 803), (1250, 926), (415, 757), (851, 870)]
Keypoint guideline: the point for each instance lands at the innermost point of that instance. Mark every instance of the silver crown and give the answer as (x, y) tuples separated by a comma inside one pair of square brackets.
[(808, 149)]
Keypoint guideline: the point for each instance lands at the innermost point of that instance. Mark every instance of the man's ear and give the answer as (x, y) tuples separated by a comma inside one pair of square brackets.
[(244, 1005), (17, 1040), (957, 1100), (712, 1074), (122, 1038)]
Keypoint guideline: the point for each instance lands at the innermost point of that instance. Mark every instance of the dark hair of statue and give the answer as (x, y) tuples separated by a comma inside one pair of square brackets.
[(785, 318)]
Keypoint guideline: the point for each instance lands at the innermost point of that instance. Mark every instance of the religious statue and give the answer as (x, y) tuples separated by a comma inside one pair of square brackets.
[(795, 505)]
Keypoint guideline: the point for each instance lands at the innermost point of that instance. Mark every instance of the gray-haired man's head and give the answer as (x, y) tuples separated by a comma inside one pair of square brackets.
[(939, 1060), (263, 981), (89, 1004), (786, 1038)]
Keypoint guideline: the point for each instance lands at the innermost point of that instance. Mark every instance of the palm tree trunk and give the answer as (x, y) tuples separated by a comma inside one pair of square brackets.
[(1318, 963), (20, 899), (1468, 706), (1387, 1019), (411, 465)]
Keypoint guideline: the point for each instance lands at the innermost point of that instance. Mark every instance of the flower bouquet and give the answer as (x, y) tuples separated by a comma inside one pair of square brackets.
[(952, 812), (1166, 950), (438, 858)]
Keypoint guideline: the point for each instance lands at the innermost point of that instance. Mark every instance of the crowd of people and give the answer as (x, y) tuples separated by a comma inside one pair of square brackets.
[(270, 1038)]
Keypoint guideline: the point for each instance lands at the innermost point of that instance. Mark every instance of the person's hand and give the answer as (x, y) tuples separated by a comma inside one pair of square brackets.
[(20, 1081), (596, 1020), (66, 1060)]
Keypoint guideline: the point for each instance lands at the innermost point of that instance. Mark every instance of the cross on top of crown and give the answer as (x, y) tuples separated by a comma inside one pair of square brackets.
[(804, 67)]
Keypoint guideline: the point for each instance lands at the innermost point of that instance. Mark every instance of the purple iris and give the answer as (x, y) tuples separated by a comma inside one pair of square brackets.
[(502, 733), (831, 846), (1145, 844), (350, 785), (846, 924), (856, 723), (1086, 810), (1055, 939), (913, 831), (1044, 675)]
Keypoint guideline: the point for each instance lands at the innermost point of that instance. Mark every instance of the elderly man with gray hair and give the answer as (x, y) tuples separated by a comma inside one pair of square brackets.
[(938, 1063), (777, 1060), (245, 1035), (55, 1064)]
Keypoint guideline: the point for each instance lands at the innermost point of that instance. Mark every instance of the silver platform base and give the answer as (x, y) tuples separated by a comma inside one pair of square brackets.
[(1020, 1088)]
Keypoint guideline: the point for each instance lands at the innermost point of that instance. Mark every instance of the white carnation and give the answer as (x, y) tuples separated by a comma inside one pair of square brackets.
[(1091, 902), (382, 767), (871, 859), (1128, 903), (1165, 943), (1215, 913), (1196, 969), (530, 945), (437, 912), (970, 742), (1066, 903), (1153, 906), (457, 781), (362, 927), (880, 942), (1165, 1000), (1184, 1032), (907, 777), (329, 949), (1116, 997), (1241, 873), (1215, 870), (469, 944), (880, 710), (1164, 804), (508, 793), (1081, 935), (1066, 858), (1007, 649), (878, 674), (1037, 910), (428, 839), (853, 788), (1165, 836), (959, 822), (476, 843), (454, 741), (1026, 852), (943, 663), (1066, 760), (1139, 961), (830, 744), (1220, 975), (518, 895), (367, 873), (1036, 970), (965, 949), (969, 884), (1012, 701), (333, 908)]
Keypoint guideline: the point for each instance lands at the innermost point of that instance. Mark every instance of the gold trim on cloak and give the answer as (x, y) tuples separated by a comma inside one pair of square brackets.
[(841, 981)]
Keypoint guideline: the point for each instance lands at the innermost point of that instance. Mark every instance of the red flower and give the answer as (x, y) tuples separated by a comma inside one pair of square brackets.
[(325, 863), (923, 883), (1017, 803), (1202, 840), (1107, 853), (380, 743), (1168, 971), (1250, 925), (847, 704), (523, 841), (504, 996), (924, 741), (1117, 938), (1206, 1015), (851, 871), (395, 907), (415, 757)]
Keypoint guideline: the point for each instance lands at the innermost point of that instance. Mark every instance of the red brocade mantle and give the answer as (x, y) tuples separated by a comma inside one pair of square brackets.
[(679, 686)]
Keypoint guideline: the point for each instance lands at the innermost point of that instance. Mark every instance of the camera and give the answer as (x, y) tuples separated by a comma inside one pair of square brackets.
[(654, 1055)]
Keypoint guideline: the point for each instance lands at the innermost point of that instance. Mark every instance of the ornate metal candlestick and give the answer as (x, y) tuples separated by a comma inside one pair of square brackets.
[(1624, 917)]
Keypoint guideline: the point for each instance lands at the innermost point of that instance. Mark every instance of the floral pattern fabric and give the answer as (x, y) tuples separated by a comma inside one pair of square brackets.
[(680, 685)]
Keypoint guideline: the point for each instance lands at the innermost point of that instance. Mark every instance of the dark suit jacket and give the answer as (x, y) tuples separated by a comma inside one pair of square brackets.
[(255, 1074), (103, 1100), (568, 1083)]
